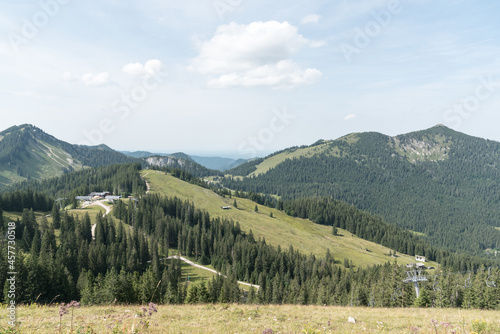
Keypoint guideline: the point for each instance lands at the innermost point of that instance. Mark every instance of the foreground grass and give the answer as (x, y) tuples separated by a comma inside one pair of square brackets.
[(256, 319), (281, 229)]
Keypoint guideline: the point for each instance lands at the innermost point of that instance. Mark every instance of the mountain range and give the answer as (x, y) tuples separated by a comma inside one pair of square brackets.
[(304, 246), (27, 152), (437, 182)]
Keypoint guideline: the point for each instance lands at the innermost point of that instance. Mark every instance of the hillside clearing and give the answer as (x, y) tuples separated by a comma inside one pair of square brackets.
[(281, 229), (273, 161), (193, 272)]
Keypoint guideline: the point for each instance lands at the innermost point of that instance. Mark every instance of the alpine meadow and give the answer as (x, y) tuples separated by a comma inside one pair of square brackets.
[(231, 166)]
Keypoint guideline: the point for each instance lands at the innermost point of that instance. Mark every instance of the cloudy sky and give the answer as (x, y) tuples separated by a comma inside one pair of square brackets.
[(246, 78)]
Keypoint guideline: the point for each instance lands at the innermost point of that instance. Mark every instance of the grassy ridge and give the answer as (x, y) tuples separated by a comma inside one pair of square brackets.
[(305, 152), (256, 319), (281, 229), (273, 161)]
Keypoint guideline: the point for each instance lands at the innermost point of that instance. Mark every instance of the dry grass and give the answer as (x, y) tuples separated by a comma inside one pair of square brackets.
[(255, 319)]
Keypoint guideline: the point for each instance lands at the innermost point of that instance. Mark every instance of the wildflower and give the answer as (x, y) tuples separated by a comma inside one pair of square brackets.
[(74, 304), (152, 309), (446, 325), (63, 309)]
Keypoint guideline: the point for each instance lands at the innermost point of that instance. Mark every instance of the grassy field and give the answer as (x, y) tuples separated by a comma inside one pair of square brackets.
[(92, 210), (13, 216), (273, 161), (255, 319), (418, 233), (324, 147), (195, 274), (281, 229)]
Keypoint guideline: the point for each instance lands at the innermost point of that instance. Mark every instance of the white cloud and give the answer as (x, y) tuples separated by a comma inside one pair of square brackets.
[(349, 117), (150, 67), (133, 69), (67, 76), (95, 80), (284, 74), (257, 54), (312, 18), (317, 43)]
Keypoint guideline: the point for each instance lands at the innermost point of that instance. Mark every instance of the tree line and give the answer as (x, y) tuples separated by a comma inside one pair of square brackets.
[(126, 262), (123, 179)]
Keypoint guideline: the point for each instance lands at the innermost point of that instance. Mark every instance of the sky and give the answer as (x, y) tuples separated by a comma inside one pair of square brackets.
[(241, 78)]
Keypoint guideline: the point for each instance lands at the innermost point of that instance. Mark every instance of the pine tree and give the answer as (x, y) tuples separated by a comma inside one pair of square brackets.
[(26, 240), (48, 244), (56, 217), (109, 287), (2, 220), (469, 296), (36, 246), (423, 299), (203, 296), (87, 228), (192, 297)]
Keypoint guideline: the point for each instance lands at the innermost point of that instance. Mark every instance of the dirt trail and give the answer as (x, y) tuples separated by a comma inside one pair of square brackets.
[(191, 263), (107, 208), (147, 183)]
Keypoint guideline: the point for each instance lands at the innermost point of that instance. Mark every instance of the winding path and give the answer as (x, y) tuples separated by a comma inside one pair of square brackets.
[(147, 183), (107, 208), (191, 263), (100, 203)]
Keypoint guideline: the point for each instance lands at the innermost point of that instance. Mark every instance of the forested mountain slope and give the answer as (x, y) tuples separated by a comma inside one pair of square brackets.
[(125, 260), (439, 182), (27, 152)]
